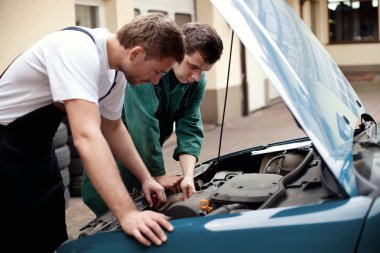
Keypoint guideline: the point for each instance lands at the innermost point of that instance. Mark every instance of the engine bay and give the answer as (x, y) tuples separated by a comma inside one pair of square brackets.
[(259, 178)]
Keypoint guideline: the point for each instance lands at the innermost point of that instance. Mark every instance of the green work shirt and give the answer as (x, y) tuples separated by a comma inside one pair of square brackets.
[(150, 112)]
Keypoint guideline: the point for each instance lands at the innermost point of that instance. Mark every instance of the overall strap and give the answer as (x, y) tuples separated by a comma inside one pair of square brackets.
[(79, 29), (109, 91), (9, 65), (76, 28)]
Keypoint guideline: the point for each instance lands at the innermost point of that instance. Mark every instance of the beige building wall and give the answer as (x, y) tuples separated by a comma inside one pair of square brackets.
[(25, 22), (118, 13), (212, 107)]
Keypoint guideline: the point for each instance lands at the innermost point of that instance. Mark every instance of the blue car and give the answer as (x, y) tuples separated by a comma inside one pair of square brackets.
[(320, 193)]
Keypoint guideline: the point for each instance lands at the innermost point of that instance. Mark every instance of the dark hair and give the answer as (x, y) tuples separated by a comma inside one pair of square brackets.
[(156, 33), (203, 38)]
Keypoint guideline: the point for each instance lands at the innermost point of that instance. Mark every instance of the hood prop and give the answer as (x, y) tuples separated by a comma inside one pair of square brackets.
[(225, 97)]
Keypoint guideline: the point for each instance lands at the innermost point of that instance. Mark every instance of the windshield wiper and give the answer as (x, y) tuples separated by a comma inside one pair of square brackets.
[(369, 125), (367, 122), (370, 143)]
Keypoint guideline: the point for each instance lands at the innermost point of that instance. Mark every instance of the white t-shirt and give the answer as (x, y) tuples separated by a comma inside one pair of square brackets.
[(63, 65)]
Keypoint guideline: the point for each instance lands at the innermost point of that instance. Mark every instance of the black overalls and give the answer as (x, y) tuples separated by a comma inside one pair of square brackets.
[(31, 188), (31, 184)]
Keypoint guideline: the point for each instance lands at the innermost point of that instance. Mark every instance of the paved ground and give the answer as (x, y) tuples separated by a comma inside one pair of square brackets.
[(271, 124)]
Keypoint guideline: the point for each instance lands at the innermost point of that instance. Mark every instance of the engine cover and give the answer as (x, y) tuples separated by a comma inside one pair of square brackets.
[(247, 189), (190, 207)]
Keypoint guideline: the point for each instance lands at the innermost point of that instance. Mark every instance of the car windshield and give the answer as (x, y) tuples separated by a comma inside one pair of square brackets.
[(309, 81)]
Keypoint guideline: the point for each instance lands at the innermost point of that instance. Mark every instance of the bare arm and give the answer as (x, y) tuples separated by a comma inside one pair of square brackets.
[(187, 184), (101, 168)]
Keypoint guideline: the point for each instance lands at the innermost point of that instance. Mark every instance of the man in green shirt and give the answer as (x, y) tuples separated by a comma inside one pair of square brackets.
[(150, 112)]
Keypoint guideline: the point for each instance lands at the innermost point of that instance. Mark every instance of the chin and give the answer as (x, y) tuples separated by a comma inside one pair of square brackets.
[(133, 82)]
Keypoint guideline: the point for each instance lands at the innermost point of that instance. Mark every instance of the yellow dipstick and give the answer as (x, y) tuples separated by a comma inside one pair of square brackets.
[(204, 205)]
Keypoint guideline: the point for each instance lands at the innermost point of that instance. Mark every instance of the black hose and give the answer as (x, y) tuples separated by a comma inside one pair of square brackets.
[(227, 209)]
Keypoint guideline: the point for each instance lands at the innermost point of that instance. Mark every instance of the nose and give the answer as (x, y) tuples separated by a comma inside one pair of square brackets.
[(155, 79), (196, 75)]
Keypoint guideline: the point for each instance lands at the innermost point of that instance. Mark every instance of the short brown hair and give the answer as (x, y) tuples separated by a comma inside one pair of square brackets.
[(156, 33), (203, 38)]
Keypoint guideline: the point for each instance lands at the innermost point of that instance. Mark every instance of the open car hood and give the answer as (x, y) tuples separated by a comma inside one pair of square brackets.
[(308, 80)]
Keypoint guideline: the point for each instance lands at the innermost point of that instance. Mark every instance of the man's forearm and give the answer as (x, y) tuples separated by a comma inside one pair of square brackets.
[(96, 156), (187, 162)]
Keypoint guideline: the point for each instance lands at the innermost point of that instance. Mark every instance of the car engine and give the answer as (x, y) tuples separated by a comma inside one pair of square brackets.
[(254, 179)]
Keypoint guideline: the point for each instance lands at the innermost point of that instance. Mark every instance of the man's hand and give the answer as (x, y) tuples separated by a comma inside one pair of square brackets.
[(177, 184), (171, 183), (187, 187), (151, 187), (146, 226)]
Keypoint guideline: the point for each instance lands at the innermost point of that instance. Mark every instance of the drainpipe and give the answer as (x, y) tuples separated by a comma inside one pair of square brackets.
[(302, 2), (244, 84)]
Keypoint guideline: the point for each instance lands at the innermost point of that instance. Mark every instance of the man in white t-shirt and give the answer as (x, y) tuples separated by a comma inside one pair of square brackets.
[(82, 73)]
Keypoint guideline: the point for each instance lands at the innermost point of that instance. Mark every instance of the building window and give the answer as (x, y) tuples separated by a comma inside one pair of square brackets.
[(182, 18), (353, 21), (137, 12), (158, 11), (182, 11), (86, 16), (89, 13)]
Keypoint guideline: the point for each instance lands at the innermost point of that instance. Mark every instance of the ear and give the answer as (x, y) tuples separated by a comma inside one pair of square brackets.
[(136, 53)]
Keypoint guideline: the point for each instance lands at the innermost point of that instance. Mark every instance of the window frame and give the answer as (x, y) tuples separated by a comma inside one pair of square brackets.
[(352, 41), (95, 3), (376, 38)]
